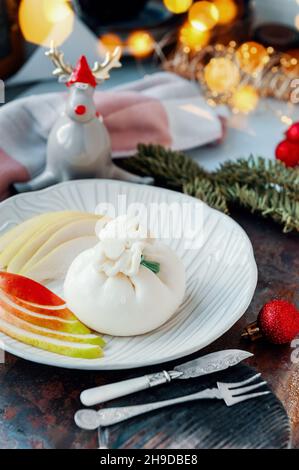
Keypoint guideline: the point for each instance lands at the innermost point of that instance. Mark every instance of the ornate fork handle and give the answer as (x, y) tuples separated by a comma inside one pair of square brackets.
[(109, 416)]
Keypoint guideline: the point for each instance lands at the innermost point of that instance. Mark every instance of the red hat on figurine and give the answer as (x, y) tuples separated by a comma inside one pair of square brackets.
[(82, 74)]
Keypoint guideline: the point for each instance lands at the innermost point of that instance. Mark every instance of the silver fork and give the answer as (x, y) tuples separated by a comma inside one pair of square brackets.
[(231, 393)]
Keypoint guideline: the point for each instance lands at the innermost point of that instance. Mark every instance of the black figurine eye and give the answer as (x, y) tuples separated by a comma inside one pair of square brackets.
[(81, 86)]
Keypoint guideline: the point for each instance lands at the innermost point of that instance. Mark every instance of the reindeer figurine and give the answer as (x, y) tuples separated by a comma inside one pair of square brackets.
[(79, 144)]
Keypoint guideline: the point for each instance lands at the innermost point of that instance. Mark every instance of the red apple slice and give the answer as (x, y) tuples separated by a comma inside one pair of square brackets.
[(16, 290), (56, 330), (28, 290), (47, 321), (31, 328), (55, 311), (66, 348), (29, 294)]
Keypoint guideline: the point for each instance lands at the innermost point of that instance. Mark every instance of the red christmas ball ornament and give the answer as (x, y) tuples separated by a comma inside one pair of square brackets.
[(292, 133), (278, 322), (288, 153)]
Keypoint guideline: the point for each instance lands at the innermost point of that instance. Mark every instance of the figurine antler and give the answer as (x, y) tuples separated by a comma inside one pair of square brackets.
[(62, 69), (101, 70)]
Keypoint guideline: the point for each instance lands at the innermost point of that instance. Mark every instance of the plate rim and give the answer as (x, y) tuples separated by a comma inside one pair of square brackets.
[(188, 351)]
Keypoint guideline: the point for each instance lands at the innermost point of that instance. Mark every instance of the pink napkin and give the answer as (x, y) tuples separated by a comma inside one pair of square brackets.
[(161, 108)]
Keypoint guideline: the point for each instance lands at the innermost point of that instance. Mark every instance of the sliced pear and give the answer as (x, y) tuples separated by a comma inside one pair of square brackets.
[(76, 338), (29, 230), (66, 348), (29, 249), (16, 231), (37, 220), (55, 265), (73, 229)]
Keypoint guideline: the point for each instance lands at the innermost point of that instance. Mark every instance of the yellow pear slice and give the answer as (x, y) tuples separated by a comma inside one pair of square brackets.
[(55, 264), (29, 249), (66, 348), (37, 220), (74, 229), (19, 238), (16, 231)]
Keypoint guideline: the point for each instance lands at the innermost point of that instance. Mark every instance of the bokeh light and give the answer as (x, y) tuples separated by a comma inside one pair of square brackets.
[(56, 10), (290, 62), (227, 10), (203, 15), (141, 44), (245, 99), (178, 6), (193, 38), (221, 75), (110, 41), (44, 21), (251, 56)]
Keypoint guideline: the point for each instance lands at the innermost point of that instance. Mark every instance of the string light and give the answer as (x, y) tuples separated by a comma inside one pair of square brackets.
[(141, 44), (193, 38), (178, 6), (227, 10), (203, 15), (217, 69), (221, 75), (286, 120), (52, 20), (245, 99), (252, 56), (110, 41)]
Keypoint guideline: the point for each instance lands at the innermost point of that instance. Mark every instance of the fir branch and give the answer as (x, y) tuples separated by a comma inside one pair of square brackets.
[(173, 168), (208, 191), (278, 205), (259, 172), (262, 186)]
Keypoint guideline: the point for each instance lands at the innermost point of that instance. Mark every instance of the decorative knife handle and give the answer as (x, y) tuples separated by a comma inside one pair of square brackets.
[(103, 393)]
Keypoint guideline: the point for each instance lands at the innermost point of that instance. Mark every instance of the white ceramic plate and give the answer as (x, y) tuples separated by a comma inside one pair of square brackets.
[(221, 272)]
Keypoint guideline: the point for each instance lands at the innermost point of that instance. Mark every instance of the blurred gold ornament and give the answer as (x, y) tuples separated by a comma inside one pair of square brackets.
[(110, 41), (193, 38), (141, 44), (245, 99), (290, 63), (252, 56), (227, 10), (44, 21), (221, 75), (178, 6), (203, 15)]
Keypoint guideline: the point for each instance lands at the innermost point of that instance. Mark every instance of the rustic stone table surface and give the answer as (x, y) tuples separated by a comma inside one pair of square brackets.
[(37, 403)]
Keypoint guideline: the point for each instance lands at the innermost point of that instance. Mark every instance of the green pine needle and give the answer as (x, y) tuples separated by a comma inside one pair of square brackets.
[(262, 186)]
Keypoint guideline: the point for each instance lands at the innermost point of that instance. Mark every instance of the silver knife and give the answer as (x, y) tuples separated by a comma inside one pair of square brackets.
[(208, 364)]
